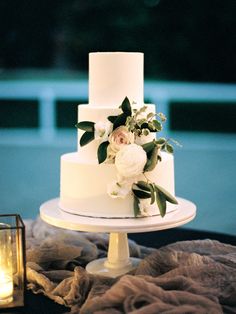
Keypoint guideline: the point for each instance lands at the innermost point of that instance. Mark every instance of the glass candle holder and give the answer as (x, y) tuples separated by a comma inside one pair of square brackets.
[(12, 261)]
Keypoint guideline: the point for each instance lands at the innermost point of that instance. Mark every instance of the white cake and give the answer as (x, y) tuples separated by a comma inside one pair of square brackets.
[(84, 182)]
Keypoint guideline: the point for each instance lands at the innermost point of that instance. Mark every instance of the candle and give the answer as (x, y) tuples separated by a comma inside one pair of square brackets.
[(6, 288), (6, 269)]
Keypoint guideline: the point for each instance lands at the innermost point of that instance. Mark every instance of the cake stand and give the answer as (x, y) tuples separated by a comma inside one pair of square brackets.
[(118, 261)]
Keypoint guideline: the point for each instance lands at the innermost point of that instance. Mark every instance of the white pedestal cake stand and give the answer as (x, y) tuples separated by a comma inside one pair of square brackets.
[(118, 261)]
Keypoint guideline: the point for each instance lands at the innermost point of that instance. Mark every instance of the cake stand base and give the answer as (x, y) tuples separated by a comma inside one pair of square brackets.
[(99, 267), (118, 261)]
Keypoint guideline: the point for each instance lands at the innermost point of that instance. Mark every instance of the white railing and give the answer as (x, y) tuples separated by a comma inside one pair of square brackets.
[(161, 93)]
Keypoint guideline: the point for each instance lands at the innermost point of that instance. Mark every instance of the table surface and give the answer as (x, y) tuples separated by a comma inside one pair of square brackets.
[(39, 304)]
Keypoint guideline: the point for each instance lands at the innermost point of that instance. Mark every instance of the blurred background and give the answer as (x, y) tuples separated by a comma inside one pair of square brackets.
[(190, 73)]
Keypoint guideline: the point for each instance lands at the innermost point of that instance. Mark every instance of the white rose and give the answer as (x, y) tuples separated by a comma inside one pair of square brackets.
[(102, 130), (144, 206), (120, 137), (130, 160), (116, 190)]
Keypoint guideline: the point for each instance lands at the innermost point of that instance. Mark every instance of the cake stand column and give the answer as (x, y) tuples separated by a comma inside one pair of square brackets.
[(118, 251), (118, 261)]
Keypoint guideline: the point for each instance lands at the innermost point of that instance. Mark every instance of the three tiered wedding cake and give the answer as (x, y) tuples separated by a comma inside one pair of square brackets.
[(121, 169)]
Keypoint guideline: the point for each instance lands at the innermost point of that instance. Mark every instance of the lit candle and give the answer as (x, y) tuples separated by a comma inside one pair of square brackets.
[(6, 288), (6, 270)]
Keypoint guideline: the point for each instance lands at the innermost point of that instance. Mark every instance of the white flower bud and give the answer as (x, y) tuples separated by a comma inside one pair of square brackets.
[(102, 130)]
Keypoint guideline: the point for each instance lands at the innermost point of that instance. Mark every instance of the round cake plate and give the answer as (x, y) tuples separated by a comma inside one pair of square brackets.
[(118, 261)]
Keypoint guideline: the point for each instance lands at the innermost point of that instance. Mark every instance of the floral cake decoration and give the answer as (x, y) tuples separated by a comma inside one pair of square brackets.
[(123, 142)]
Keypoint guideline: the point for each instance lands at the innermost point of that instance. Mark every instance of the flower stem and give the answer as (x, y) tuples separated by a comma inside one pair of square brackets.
[(146, 177)]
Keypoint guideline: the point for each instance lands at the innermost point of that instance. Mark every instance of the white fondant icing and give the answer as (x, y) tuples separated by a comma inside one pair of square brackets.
[(84, 186), (114, 75)]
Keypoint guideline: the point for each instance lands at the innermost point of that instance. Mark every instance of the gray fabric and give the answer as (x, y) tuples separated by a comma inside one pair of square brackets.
[(184, 277)]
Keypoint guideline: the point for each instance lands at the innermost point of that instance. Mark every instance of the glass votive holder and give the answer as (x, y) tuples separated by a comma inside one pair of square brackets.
[(12, 261)]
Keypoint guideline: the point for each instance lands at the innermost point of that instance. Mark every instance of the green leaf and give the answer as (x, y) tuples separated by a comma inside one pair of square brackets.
[(152, 161), (112, 118), (136, 206), (126, 107), (161, 203), (152, 194), (141, 194), (162, 116), (120, 120), (170, 198), (157, 125), (86, 138), (150, 115), (143, 109), (130, 122), (102, 152), (145, 132), (86, 126), (161, 141), (151, 127), (143, 186), (148, 147), (143, 125), (169, 148)]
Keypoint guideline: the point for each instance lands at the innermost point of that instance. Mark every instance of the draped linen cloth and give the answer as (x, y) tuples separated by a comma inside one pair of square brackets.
[(184, 277)]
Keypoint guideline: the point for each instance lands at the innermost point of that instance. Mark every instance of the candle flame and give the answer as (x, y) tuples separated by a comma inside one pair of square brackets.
[(2, 275)]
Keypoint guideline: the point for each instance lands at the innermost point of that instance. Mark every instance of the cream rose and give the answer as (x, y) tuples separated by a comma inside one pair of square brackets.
[(130, 160), (102, 130), (120, 137)]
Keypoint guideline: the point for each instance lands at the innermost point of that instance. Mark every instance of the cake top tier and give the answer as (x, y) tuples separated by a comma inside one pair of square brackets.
[(113, 76)]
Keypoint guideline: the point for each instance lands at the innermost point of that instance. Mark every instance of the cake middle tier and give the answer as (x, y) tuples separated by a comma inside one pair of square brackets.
[(83, 187), (96, 114)]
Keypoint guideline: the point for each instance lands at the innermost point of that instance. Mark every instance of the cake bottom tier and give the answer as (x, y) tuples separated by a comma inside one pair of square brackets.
[(83, 187)]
